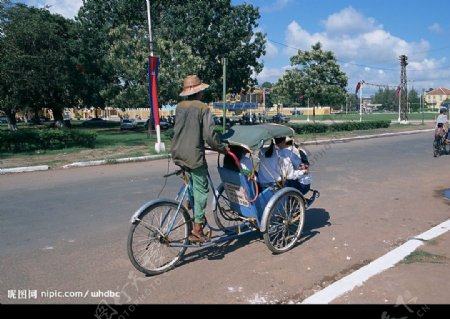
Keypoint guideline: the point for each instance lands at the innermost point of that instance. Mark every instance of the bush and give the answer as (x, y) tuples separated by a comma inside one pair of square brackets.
[(169, 133), (44, 139), (315, 128)]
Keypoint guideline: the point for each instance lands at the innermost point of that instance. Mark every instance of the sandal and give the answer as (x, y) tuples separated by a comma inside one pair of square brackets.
[(199, 238)]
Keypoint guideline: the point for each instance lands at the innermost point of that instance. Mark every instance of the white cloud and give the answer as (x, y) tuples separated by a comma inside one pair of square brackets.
[(271, 50), (372, 47), (435, 27), (364, 49), (348, 21), (270, 74), (66, 8)]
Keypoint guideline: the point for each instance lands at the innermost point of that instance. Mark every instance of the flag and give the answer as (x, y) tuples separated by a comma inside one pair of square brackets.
[(301, 97), (358, 86), (398, 90), (153, 88)]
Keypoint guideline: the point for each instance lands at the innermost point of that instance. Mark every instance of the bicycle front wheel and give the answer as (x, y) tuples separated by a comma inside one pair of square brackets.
[(150, 241)]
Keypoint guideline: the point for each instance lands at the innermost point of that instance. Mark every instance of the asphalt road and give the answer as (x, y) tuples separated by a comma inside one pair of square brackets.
[(63, 232)]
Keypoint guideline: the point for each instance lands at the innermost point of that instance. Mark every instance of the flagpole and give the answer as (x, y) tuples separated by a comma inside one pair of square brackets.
[(159, 147), (307, 120)]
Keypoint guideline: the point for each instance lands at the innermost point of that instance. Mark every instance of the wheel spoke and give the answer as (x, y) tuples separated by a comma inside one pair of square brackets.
[(149, 245), (285, 222)]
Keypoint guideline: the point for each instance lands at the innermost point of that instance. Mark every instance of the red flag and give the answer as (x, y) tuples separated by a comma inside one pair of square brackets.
[(398, 91), (358, 86), (153, 88), (301, 97)]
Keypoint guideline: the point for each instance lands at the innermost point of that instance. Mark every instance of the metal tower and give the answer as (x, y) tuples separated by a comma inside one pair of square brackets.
[(404, 88)]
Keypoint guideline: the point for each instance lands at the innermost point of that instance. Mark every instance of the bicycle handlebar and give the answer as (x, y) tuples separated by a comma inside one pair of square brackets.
[(177, 172)]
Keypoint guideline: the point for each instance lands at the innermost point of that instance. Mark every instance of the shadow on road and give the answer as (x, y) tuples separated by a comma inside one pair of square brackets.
[(219, 251), (315, 218)]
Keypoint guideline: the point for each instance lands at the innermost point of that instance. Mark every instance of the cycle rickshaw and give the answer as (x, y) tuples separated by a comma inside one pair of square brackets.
[(158, 237)]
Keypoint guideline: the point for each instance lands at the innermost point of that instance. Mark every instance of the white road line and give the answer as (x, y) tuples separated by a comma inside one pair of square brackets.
[(358, 277)]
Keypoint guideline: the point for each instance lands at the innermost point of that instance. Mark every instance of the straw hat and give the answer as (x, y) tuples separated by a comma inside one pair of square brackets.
[(192, 84)]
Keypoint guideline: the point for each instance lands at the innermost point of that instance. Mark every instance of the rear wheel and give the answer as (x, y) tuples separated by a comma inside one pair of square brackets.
[(284, 222), (436, 147), (149, 242), (224, 216)]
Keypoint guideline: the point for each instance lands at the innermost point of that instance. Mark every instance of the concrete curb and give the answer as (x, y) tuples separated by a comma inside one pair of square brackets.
[(23, 169), (118, 160), (162, 156)]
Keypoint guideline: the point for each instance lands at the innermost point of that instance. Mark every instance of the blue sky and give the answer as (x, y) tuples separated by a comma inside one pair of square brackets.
[(366, 36)]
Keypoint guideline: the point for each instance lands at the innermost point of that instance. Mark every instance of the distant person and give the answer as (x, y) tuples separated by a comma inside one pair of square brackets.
[(442, 123), (194, 126)]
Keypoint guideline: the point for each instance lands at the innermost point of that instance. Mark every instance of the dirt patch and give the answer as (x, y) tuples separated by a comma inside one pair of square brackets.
[(325, 281), (421, 256)]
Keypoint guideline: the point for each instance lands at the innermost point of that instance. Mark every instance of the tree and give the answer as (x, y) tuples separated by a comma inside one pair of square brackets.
[(220, 31), (414, 100), (191, 36), (288, 88), (387, 98), (39, 69), (129, 57), (316, 75), (97, 19)]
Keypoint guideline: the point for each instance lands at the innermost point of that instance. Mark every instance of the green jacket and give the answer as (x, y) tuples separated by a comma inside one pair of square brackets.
[(194, 125)]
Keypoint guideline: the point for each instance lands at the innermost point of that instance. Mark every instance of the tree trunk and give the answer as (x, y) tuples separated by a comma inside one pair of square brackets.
[(12, 122), (314, 113), (58, 117)]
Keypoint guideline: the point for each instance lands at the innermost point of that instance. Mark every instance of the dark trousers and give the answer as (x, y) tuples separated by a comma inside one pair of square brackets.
[(303, 188)]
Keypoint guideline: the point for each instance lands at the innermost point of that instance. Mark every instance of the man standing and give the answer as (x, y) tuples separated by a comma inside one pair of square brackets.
[(193, 126)]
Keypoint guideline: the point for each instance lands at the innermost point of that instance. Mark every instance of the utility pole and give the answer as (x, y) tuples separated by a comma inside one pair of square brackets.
[(224, 92), (422, 101), (360, 101), (346, 102), (404, 89)]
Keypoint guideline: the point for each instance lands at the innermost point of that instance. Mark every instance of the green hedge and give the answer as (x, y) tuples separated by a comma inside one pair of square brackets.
[(44, 139), (169, 132), (310, 128)]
